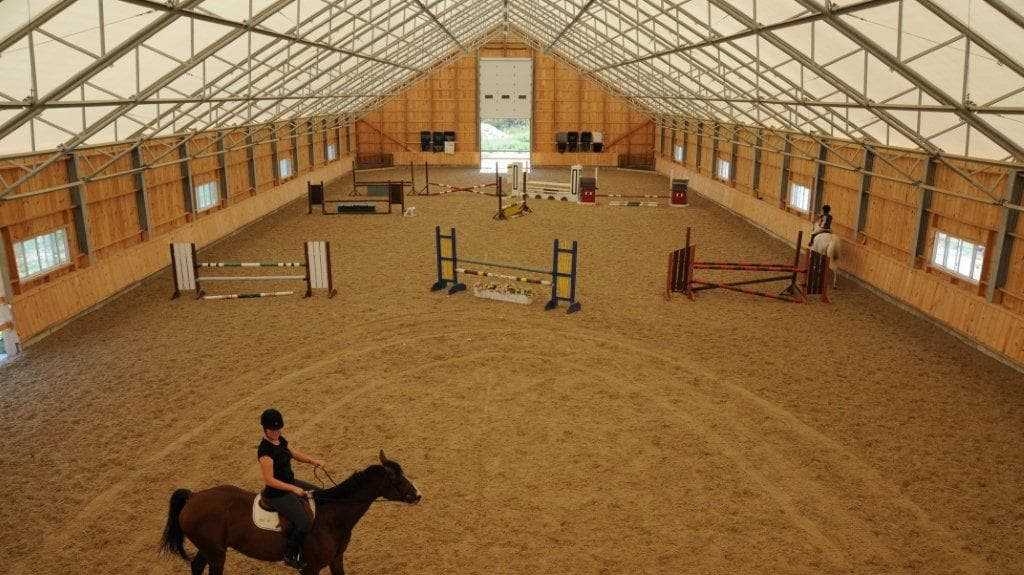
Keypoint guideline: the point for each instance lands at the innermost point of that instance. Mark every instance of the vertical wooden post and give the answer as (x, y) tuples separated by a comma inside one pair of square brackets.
[(734, 155), (787, 151), (700, 143), (141, 195), (868, 166), (186, 178), (250, 159), (273, 155), (222, 167), (686, 140), (755, 177), (79, 207), (6, 269), (924, 203), (819, 179), (310, 129), (1000, 262), (672, 145), (10, 343), (295, 145), (714, 150)]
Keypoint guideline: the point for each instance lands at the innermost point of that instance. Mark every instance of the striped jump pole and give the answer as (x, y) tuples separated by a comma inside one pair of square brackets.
[(249, 295), (634, 204), (186, 266), (563, 273)]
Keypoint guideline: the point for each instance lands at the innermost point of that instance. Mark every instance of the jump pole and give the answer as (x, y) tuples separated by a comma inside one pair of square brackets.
[(682, 263), (185, 266), (563, 272)]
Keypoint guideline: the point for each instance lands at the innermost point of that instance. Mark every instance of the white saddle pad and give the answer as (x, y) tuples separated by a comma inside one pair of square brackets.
[(270, 520)]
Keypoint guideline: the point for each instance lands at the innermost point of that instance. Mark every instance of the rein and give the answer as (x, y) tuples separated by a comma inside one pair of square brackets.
[(326, 499)]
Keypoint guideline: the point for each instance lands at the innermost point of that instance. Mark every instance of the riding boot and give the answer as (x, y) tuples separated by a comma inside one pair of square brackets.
[(293, 549)]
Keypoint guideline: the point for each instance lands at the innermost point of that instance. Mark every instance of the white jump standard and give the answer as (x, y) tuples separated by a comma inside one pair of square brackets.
[(186, 265)]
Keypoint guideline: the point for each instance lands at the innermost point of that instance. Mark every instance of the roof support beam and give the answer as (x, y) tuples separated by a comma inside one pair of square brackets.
[(425, 10), (933, 90), (572, 23), (1001, 110), (256, 30), (33, 24), (753, 31)]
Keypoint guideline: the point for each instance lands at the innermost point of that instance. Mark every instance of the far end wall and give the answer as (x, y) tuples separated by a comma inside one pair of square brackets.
[(563, 100)]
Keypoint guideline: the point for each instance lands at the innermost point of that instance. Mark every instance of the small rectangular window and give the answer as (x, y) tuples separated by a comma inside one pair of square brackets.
[(800, 197), (332, 152), (679, 154), (724, 170), (206, 196), (41, 254), (284, 168), (958, 257)]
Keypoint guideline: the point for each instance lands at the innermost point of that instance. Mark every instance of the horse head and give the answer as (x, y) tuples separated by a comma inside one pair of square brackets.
[(397, 486)]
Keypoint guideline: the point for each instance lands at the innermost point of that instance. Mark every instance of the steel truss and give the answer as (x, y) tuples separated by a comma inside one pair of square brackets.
[(799, 66)]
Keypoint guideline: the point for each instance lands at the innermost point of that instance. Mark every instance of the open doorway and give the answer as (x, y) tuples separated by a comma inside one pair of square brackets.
[(505, 88), (504, 141)]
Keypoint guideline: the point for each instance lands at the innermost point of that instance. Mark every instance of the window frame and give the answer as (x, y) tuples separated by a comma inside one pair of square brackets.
[(718, 170), (291, 168), (42, 272), (789, 200), (216, 196), (946, 241)]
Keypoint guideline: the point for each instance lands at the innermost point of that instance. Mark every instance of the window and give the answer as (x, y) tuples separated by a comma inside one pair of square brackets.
[(958, 257), (680, 154), (332, 152), (800, 197), (724, 170), (206, 196), (284, 168), (3, 345), (41, 254)]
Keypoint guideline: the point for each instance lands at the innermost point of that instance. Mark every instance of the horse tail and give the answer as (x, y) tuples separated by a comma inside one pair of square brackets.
[(173, 540)]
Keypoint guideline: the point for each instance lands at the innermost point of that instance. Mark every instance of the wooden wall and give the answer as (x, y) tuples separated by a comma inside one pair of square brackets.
[(878, 210), (446, 100), (121, 219)]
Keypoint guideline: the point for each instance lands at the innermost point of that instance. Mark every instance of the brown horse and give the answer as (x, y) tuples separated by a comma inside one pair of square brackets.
[(221, 517)]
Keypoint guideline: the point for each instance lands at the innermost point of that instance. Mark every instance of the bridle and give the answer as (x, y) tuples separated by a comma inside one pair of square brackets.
[(392, 480)]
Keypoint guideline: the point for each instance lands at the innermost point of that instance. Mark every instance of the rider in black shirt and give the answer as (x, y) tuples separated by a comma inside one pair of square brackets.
[(823, 225), (282, 491)]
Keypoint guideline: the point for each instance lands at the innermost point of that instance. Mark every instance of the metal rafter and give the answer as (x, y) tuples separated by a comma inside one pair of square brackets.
[(444, 28)]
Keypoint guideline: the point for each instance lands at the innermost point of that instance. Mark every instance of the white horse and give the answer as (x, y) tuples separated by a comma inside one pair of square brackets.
[(831, 245)]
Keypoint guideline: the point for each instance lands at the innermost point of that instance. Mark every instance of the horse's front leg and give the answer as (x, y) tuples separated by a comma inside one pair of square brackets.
[(338, 563)]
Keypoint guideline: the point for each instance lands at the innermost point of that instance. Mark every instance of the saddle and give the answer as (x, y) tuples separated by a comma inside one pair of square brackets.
[(264, 517)]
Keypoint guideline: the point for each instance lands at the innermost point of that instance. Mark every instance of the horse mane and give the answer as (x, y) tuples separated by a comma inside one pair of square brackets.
[(348, 488)]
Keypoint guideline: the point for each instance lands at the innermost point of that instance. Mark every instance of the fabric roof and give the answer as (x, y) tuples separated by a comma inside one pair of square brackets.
[(944, 76)]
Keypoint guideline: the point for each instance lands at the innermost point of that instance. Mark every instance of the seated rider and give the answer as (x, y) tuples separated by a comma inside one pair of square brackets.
[(282, 491), (822, 225)]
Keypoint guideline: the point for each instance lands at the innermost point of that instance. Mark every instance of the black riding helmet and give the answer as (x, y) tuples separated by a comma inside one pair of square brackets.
[(272, 419)]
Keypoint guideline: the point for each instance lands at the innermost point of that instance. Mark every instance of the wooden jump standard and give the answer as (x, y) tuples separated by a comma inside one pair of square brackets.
[(563, 284), (377, 194), (186, 266), (682, 263)]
